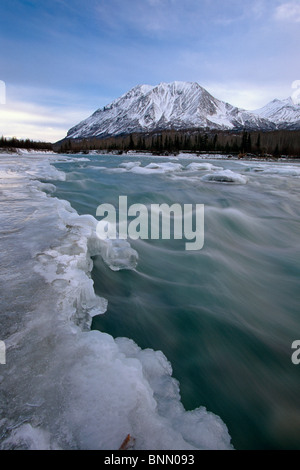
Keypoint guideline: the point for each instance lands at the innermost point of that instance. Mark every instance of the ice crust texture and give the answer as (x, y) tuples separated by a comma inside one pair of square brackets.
[(65, 386)]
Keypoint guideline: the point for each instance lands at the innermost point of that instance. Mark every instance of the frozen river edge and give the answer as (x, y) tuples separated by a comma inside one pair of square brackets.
[(64, 386)]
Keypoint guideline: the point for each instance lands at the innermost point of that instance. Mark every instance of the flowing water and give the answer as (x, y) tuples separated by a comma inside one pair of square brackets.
[(224, 316)]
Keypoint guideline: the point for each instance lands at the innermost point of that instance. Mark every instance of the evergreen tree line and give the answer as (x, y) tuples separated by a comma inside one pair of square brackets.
[(259, 143), (24, 144)]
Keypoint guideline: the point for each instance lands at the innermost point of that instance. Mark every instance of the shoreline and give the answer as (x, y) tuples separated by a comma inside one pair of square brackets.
[(133, 153)]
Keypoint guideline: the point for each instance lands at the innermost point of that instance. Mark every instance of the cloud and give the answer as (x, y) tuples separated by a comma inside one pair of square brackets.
[(248, 95), (146, 18), (28, 120), (43, 113), (289, 11), (258, 8)]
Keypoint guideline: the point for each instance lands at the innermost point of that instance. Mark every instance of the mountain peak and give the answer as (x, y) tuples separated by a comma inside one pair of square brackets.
[(177, 105), (284, 113)]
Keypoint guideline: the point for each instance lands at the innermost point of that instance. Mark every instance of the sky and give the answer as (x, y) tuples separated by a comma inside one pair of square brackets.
[(60, 60)]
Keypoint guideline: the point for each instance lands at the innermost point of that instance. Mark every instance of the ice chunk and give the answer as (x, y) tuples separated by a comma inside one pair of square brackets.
[(202, 166), (130, 165), (225, 176), (157, 168), (118, 254)]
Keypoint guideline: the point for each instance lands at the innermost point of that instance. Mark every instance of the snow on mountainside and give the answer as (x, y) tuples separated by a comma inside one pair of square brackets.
[(284, 113), (177, 105)]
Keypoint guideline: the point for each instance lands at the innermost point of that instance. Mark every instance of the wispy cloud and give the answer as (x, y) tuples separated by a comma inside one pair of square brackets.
[(45, 113), (150, 16), (289, 11), (240, 12), (29, 120), (247, 95)]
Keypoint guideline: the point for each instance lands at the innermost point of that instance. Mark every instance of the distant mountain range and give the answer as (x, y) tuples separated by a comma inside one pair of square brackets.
[(180, 106), (285, 114)]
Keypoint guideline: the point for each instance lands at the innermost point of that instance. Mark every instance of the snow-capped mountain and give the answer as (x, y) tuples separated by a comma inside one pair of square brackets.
[(177, 105), (284, 113)]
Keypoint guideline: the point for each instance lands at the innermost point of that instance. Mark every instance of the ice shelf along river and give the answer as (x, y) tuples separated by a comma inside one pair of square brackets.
[(180, 349)]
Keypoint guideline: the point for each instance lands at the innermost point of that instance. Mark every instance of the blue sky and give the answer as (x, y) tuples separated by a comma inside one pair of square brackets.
[(62, 59)]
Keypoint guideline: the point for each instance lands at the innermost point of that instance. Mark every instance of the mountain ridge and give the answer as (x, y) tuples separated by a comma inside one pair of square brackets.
[(181, 105), (284, 113)]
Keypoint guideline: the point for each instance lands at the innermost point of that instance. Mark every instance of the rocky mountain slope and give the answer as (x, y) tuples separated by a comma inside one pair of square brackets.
[(181, 105)]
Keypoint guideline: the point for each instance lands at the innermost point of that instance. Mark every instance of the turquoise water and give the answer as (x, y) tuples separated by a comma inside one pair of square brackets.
[(224, 316)]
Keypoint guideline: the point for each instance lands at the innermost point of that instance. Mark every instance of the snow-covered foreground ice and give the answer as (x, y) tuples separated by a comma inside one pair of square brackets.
[(64, 386)]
